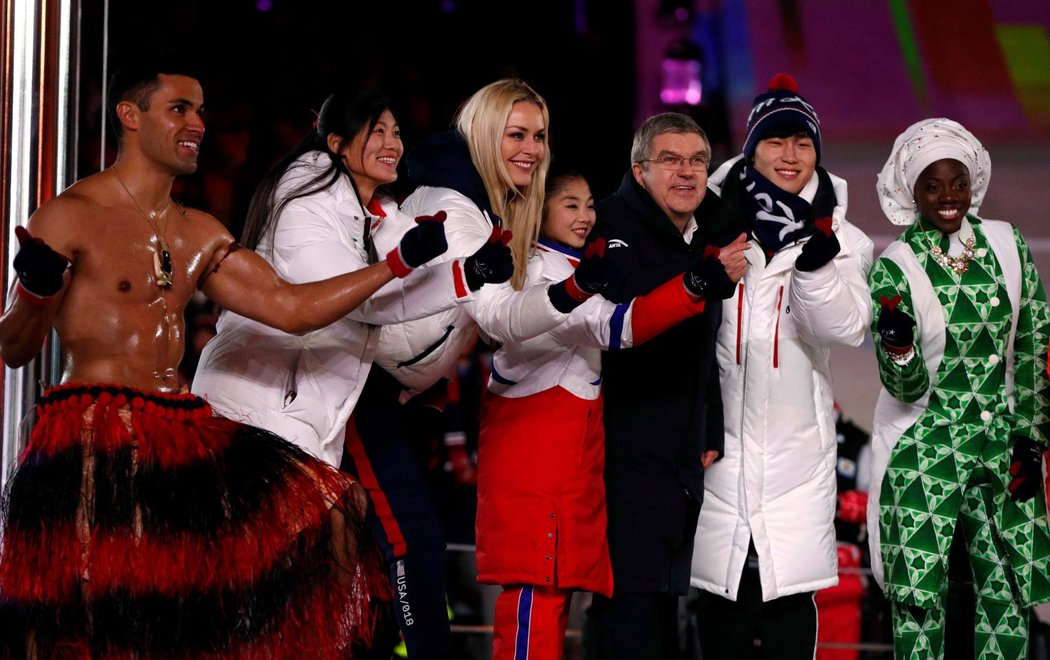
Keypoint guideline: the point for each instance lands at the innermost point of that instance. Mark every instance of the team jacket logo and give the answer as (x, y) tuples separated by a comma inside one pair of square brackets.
[(402, 594), (615, 243)]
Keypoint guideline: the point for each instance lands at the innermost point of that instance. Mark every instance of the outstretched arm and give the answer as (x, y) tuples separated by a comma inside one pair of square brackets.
[(246, 284)]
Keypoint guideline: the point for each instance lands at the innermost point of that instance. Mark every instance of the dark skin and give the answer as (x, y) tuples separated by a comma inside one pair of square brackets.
[(115, 323), (942, 194)]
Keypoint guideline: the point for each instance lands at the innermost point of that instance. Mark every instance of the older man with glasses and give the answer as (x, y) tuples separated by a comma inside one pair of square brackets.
[(663, 422)]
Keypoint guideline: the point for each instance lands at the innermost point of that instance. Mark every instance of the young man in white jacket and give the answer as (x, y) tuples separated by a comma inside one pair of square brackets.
[(765, 541)]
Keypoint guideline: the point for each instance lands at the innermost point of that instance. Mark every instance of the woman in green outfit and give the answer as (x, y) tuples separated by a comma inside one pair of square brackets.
[(961, 326)]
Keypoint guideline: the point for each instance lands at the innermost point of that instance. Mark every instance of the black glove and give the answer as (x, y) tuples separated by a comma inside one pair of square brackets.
[(1026, 468), (821, 247), (708, 278), (590, 277), (492, 263), (39, 268), (894, 326), (419, 245)]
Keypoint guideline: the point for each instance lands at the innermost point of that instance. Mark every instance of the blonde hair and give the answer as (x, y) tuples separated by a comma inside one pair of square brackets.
[(481, 121)]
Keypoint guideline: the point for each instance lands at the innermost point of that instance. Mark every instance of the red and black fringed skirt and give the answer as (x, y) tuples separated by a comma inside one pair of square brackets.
[(142, 525)]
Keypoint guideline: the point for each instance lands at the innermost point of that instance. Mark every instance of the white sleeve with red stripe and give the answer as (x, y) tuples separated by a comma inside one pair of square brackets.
[(831, 305)]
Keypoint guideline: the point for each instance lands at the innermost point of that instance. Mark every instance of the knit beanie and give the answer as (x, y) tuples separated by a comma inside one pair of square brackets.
[(780, 108)]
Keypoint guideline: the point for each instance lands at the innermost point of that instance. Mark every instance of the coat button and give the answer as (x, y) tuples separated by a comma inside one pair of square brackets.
[(552, 515), (547, 579), (994, 302), (985, 415), (549, 557), (993, 359), (550, 535)]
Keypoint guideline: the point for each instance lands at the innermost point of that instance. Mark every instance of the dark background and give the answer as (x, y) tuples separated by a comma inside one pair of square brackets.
[(264, 72)]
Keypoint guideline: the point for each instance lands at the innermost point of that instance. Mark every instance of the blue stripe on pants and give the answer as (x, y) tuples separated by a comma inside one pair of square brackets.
[(521, 645)]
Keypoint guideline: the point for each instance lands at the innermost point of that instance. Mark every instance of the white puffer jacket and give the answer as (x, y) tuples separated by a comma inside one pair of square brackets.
[(304, 387), (776, 482), (421, 352)]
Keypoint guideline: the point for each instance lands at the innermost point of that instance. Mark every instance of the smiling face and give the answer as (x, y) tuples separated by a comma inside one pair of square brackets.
[(372, 156), (789, 162), (569, 213), (170, 131), (678, 191), (942, 194), (524, 142)]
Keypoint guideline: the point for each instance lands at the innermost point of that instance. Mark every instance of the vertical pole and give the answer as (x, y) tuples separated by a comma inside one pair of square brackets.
[(38, 79)]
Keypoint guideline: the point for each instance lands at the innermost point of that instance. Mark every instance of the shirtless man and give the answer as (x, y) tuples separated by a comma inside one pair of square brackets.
[(118, 322), (138, 521)]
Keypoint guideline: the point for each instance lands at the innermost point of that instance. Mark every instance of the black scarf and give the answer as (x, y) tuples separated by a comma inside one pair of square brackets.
[(777, 217)]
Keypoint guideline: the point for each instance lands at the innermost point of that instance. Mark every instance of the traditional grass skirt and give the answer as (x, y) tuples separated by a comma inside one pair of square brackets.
[(141, 525)]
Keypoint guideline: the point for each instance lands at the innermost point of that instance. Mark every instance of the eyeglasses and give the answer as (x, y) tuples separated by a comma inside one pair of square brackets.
[(674, 161)]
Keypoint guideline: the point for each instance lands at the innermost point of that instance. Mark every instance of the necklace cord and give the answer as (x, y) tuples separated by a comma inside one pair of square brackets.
[(162, 266)]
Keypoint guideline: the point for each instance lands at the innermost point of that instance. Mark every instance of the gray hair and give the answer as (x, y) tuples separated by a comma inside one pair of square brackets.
[(665, 122)]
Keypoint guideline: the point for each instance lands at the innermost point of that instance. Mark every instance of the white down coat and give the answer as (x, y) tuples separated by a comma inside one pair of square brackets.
[(776, 482), (304, 387), (418, 353)]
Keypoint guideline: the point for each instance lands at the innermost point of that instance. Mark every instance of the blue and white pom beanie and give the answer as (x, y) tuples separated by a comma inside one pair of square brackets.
[(782, 107)]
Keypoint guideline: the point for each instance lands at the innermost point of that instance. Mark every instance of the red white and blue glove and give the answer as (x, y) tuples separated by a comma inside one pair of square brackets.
[(590, 277), (821, 247), (419, 245), (493, 263), (39, 268)]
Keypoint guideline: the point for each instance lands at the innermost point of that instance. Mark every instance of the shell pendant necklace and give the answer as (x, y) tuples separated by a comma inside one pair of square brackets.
[(162, 268)]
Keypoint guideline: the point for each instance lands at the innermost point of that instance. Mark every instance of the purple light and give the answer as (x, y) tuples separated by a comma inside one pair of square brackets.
[(264, 5), (681, 82)]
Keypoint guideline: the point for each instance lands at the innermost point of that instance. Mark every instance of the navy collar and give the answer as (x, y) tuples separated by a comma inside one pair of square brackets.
[(442, 160), (560, 247)]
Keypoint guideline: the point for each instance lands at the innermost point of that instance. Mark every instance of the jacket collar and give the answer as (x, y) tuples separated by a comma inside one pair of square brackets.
[(442, 160), (547, 244), (642, 205), (311, 164), (716, 224)]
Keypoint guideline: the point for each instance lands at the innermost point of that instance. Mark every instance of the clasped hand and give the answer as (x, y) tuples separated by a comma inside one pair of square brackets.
[(40, 269), (419, 245), (715, 274)]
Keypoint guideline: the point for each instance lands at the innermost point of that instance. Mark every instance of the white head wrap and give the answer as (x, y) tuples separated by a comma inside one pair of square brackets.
[(916, 148)]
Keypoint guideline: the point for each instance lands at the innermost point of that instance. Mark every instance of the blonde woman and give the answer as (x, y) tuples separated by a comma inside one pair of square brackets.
[(488, 174)]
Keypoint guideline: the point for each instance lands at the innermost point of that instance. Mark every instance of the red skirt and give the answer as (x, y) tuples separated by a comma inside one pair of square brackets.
[(140, 524), (541, 495)]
